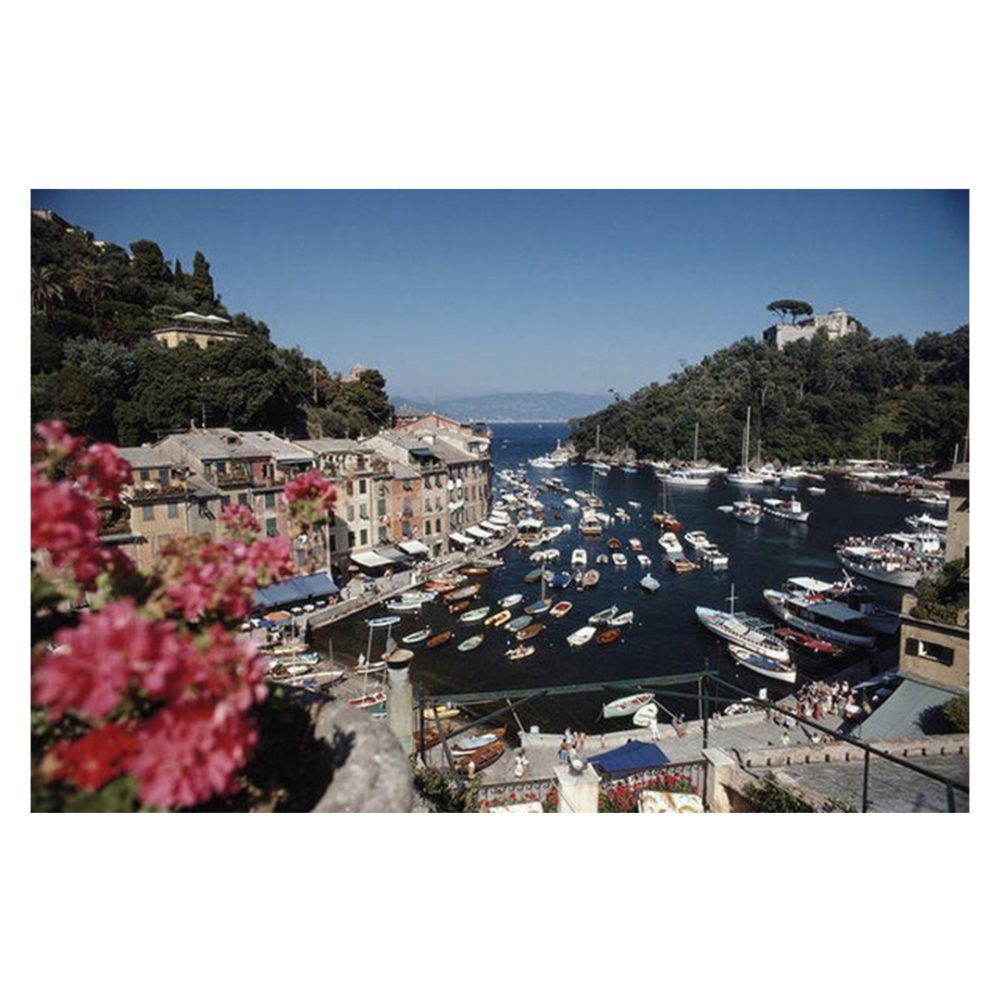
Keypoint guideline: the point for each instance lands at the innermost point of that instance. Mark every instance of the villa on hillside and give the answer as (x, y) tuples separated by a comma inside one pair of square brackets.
[(191, 326), (836, 323)]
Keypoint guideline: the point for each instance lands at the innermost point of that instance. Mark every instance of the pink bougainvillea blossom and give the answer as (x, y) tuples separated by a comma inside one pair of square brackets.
[(239, 523), (96, 757), (311, 497)]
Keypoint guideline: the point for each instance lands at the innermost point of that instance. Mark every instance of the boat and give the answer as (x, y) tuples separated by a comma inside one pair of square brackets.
[(614, 544), (415, 637), (828, 620), (601, 560), (562, 580), (510, 600), (368, 701), (625, 618), (481, 759), (377, 667), (538, 607), (534, 576), (384, 622), (635, 544), (529, 631), (924, 522), (287, 649), (444, 584), (696, 539), (650, 584), (900, 569), (590, 579), (589, 524), (816, 491), (399, 656), (712, 557), (628, 705), (646, 715), (747, 511), (681, 565), (788, 509), (498, 619), (516, 624), (475, 571), (459, 606), (407, 607), (744, 476), (669, 543), (609, 636), (856, 596), (473, 642), (667, 521), (686, 477), (278, 616), (519, 652), (561, 609), (807, 642), (309, 659), (602, 617), (441, 712), (439, 640), (762, 664), (581, 636), (462, 593), (475, 615), (432, 737), (466, 744), (579, 557), (740, 630), (619, 560), (644, 561)]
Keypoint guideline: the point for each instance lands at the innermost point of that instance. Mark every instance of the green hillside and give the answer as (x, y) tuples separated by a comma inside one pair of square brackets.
[(813, 400)]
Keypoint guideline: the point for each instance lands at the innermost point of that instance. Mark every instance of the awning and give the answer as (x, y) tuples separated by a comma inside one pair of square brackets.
[(414, 548), (494, 528), (296, 590), (905, 712), (633, 756), (457, 536), (478, 532), (392, 553), (370, 559)]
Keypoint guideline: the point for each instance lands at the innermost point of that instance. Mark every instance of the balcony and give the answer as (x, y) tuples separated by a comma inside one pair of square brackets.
[(137, 492)]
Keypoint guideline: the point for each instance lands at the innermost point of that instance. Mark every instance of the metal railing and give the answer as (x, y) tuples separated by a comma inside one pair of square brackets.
[(509, 793), (689, 777)]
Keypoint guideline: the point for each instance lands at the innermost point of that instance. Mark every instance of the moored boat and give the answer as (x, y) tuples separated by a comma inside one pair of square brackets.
[(681, 565), (627, 705), (415, 637), (579, 557), (609, 636), (529, 631), (741, 631), (538, 607), (516, 624), (788, 509), (624, 618), (439, 640), (828, 620), (561, 609), (510, 600), (473, 642), (650, 584), (762, 664), (498, 619), (601, 617), (520, 652), (590, 579), (808, 642), (459, 606), (481, 759), (368, 702), (619, 560), (475, 615), (669, 543), (581, 636)]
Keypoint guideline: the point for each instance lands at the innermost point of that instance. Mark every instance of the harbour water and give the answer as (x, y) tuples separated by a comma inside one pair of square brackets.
[(666, 637)]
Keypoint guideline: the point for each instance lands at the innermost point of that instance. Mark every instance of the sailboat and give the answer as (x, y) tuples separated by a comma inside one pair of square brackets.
[(690, 476), (743, 476), (664, 518)]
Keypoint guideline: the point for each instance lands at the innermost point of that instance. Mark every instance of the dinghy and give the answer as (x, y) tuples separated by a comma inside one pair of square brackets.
[(581, 636), (529, 631), (609, 636), (625, 618), (520, 652), (627, 705), (602, 617), (475, 615), (561, 609), (590, 579), (762, 665), (473, 642), (538, 607), (466, 744), (646, 715), (510, 600), (498, 619), (382, 622), (650, 584), (415, 637), (516, 624), (439, 640)]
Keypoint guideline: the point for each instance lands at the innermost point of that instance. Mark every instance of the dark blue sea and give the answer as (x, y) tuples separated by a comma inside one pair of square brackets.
[(666, 637)]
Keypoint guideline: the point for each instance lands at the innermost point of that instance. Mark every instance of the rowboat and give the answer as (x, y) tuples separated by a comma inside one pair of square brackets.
[(614, 544), (462, 593), (635, 544), (443, 584), (644, 561), (510, 600), (459, 606), (609, 636), (627, 705), (480, 759), (808, 642), (519, 652), (289, 649), (375, 667), (441, 712), (604, 616), (735, 629), (516, 624), (498, 619), (384, 622), (560, 609), (619, 560), (439, 640), (475, 571), (601, 560), (538, 607), (432, 737), (529, 631), (590, 579), (368, 701), (285, 661), (467, 744), (667, 521), (669, 543), (475, 615), (406, 607), (762, 664), (646, 715), (682, 565), (399, 656), (278, 616), (650, 584), (534, 576), (581, 636), (473, 642), (625, 618), (562, 580), (415, 637)]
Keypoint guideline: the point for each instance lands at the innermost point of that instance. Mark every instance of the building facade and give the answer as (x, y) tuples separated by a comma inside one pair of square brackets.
[(836, 323), (194, 328)]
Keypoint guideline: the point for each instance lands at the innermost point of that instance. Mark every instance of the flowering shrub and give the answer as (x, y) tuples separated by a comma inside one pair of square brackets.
[(311, 497), (623, 796), (149, 693)]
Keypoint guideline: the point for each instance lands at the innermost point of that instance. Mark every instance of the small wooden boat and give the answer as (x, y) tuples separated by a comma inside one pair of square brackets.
[(278, 616), (590, 579), (462, 593), (444, 584), (808, 642), (399, 656), (609, 636), (475, 571), (473, 642), (682, 565), (650, 584), (498, 619), (581, 636), (529, 631), (561, 609), (515, 625), (520, 652), (602, 617), (538, 607), (459, 606), (625, 618), (646, 715), (614, 544), (432, 735), (439, 640), (468, 744), (510, 600), (384, 622), (475, 615), (762, 664), (415, 637), (441, 712), (668, 521), (627, 705), (481, 759), (368, 701)]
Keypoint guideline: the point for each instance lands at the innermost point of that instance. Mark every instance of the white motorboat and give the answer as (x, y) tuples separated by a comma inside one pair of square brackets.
[(764, 665), (510, 600), (625, 618), (816, 491), (829, 620), (644, 561), (650, 584), (603, 617), (571, 503), (741, 631), (788, 509), (669, 543), (475, 615), (747, 511), (619, 559), (581, 636), (686, 477), (711, 557), (415, 637), (696, 539)]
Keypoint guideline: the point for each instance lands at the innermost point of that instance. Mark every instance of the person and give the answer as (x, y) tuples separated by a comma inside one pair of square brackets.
[(471, 768), (681, 726), (785, 739), (604, 742), (654, 728), (564, 751), (518, 766), (568, 735)]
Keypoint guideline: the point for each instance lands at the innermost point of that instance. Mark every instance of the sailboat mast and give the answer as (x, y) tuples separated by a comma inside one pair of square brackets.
[(696, 441)]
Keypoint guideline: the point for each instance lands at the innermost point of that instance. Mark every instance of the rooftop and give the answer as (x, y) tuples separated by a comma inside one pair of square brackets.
[(217, 443)]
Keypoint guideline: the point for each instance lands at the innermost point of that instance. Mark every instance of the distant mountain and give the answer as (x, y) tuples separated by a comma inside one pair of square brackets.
[(512, 407)]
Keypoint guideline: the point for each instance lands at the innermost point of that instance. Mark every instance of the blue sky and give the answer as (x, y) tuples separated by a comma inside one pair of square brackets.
[(455, 292)]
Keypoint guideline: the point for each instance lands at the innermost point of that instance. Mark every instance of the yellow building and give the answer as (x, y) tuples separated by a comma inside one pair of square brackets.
[(201, 330)]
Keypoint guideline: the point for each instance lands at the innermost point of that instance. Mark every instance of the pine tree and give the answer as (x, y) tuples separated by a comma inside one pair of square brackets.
[(200, 283)]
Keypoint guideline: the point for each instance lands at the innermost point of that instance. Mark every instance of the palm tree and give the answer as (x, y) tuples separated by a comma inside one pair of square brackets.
[(44, 288), (90, 283)]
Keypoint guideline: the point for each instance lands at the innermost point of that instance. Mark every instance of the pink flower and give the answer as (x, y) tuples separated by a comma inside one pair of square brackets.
[(240, 523), (101, 471), (95, 758), (311, 497)]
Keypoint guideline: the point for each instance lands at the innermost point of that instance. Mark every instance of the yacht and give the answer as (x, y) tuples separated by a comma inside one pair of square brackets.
[(686, 477), (788, 509), (579, 557), (669, 543), (744, 510), (828, 620), (743, 476)]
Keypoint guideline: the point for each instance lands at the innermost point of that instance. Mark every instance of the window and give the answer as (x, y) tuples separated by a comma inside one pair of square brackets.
[(427, 505), (241, 499), (930, 651), (363, 511), (269, 501), (383, 533), (362, 486), (271, 527), (364, 536), (144, 475), (381, 508), (225, 502), (164, 477), (148, 513), (437, 525), (172, 511), (427, 527), (350, 539), (350, 512), (350, 487), (300, 557)]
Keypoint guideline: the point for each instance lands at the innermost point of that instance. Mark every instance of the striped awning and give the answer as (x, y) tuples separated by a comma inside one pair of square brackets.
[(457, 536), (478, 532), (414, 548)]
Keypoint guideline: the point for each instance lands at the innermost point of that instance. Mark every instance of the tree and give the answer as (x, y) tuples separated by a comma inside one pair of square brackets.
[(200, 284), (148, 263), (90, 284), (790, 309), (45, 288)]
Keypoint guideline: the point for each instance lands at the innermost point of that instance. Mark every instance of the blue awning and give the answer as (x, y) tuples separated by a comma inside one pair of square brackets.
[(633, 756), (296, 590)]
